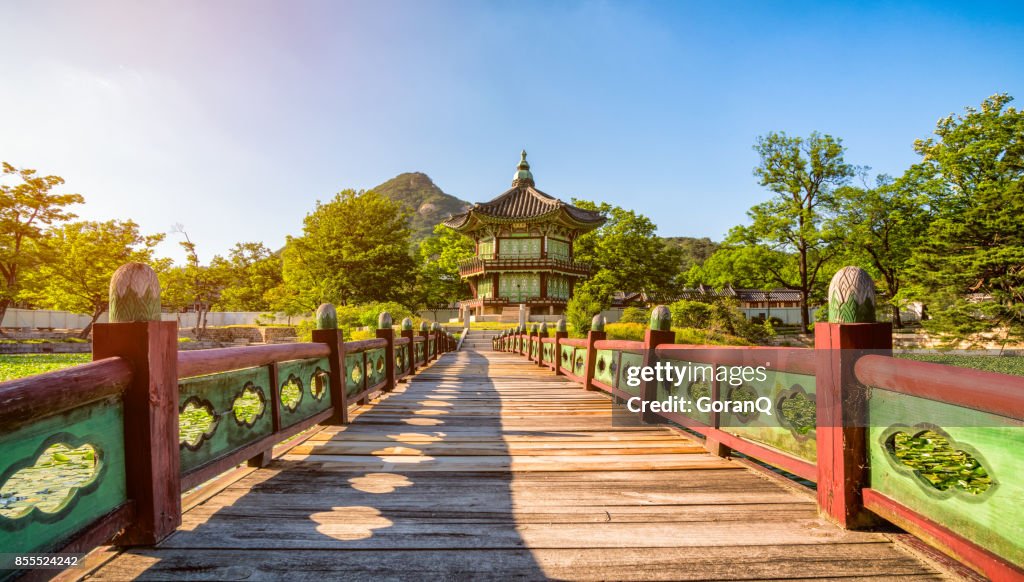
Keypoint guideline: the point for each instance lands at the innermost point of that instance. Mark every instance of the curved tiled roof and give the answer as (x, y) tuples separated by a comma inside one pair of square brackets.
[(524, 202)]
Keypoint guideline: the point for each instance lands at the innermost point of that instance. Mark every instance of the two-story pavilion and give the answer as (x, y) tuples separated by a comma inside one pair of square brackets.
[(524, 249)]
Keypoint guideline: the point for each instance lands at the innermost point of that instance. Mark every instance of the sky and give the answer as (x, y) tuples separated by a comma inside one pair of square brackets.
[(232, 118)]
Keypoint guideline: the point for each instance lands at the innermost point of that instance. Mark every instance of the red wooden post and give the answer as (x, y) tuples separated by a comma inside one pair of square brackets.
[(841, 400), (659, 333), (410, 352), (560, 334), (595, 335), (434, 327), (152, 461), (327, 332), (386, 332)]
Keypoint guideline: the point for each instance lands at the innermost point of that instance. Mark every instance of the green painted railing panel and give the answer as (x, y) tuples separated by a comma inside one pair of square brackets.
[(26, 528), (401, 360), (790, 427), (217, 393), (691, 391), (420, 353), (375, 369), (313, 378), (547, 354), (993, 517), (355, 373), (627, 360), (568, 356), (605, 366), (433, 346)]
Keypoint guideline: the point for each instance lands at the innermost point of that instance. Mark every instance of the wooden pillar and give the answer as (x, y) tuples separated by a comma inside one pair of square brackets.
[(386, 332), (660, 332), (407, 332), (327, 332), (542, 334), (595, 335), (560, 334), (434, 327), (152, 461), (841, 400)]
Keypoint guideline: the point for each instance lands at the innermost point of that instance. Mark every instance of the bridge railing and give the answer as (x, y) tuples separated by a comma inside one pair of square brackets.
[(935, 449), (106, 449)]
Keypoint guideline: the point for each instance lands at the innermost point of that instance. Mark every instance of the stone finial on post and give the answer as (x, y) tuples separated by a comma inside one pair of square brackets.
[(152, 454), (134, 294), (326, 316), (561, 325), (424, 326), (384, 320), (407, 324), (659, 333), (327, 332), (597, 323), (851, 297), (841, 403)]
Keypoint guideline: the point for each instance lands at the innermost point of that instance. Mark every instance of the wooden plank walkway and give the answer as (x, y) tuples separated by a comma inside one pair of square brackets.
[(485, 467)]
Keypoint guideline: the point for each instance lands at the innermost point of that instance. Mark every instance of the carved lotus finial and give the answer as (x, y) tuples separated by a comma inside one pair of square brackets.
[(561, 325), (384, 320), (661, 318), (851, 296), (326, 316), (597, 323), (134, 294)]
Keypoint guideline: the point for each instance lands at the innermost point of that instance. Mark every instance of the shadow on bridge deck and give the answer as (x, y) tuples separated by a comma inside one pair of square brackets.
[(486, 466)]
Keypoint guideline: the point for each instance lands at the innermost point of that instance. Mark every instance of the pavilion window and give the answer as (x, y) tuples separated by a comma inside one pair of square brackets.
[(485, 249), (558, 249)]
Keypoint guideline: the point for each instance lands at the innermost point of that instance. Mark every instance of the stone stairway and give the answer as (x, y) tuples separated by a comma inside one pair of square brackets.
[(479, 340)]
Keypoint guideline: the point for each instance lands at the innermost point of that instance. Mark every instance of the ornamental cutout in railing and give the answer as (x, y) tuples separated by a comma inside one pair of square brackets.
[(51, 483), (318, 384), (938, 463), (798, 412), (197, 421), (356, 374), (291, 392), (744, 393), (249, 405), (699, 389)]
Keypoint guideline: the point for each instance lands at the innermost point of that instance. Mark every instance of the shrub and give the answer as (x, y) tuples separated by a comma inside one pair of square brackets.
[(626, 331), (690, 313), (635, 315), (581, 309)]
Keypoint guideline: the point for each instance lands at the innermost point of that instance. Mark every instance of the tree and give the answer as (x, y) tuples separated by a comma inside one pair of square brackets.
[(194, 285), (583, 306), (250, 271), (803, 174), (970, 266), (741, 265), (883, 226), (439, 280), (77, 260), (626, 254), (25, 209), (354, 249)]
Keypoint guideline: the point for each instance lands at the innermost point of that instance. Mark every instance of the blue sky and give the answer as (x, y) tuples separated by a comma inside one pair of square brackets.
[(233, 118)]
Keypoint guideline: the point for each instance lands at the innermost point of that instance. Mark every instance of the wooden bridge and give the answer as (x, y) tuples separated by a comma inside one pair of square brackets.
[(485, 466), (404, 457)]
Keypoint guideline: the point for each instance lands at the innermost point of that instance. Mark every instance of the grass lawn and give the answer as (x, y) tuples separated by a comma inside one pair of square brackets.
[(1013, 365), (20, 365)]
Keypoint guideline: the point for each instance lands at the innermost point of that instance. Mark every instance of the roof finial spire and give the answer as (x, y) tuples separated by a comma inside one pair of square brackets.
[(523, 176)]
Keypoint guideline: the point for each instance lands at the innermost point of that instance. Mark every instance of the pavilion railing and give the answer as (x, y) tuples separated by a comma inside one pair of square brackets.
[(935, 449), (130, 432)]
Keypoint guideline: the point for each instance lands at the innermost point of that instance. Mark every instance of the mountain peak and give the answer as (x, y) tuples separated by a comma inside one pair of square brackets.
[(427, 203)]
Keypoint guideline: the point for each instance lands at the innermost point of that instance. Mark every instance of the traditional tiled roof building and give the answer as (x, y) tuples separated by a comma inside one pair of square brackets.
[(524, 248)]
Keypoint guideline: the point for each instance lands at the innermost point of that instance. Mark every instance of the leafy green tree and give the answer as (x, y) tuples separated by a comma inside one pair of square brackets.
[(26, 207), (194, 285), (970, 266), (251, 271), (77, 260), (635, 315), (439, 256), (882, 227), (742, 265), (354, 249), (690, 314), (626, 254), (803, 174)]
